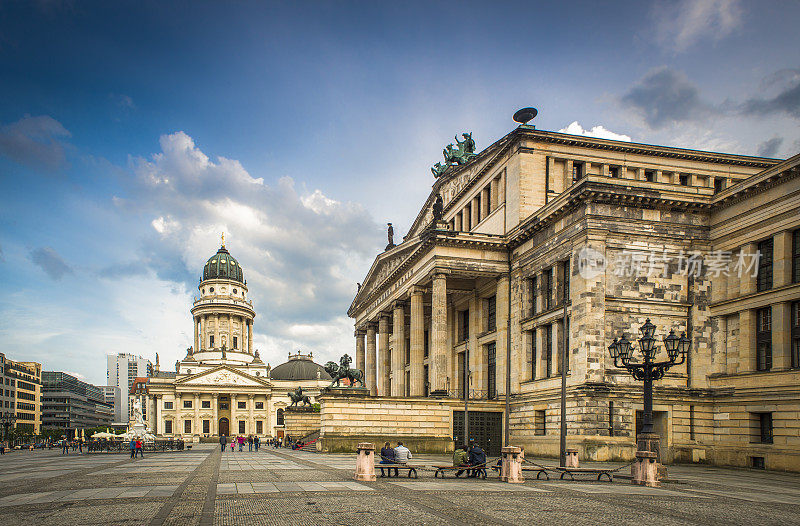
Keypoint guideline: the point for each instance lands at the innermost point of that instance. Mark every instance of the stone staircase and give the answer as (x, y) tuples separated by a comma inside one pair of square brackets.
[(309, 441)]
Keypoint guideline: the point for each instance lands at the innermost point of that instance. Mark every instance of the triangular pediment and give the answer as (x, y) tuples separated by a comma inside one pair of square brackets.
[(385, 264), (224, 375)]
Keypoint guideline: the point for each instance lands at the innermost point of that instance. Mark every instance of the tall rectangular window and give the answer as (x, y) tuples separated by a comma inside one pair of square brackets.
[(539, 425), (167, 427), (478, 209), (426, 344), (464, 325), (491, 369), (468, 218), (187, 426), (491, 313), (796, 256), (532, 295), (764, 278), (577, 171), (532, 336), (548, 350), (242, 430), (763, 431), (235, 342), (547, 288), (610, 418), (795, 345), (565, 266), (206, 427), (259, 427), (211, 341), (764, 339)]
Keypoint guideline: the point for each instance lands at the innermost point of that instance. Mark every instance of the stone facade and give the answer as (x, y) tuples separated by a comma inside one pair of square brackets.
[(546, 235)]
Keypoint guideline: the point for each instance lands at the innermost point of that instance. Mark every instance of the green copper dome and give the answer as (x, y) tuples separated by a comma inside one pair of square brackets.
[(223, 266)]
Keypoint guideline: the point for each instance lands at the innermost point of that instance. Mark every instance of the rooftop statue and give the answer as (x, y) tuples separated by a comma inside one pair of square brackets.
[(438, 208), (458, 155)]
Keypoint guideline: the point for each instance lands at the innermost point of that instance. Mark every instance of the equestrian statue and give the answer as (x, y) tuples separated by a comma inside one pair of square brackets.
[(298, 397), (342, 371)]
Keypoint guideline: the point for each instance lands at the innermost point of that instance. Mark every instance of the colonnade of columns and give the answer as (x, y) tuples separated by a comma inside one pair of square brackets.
[(373, 357), (178, 414), (203, 331)]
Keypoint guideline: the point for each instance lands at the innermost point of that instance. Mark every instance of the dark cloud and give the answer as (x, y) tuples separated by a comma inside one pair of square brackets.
[(122, 270), (35, 142), (664, 97), (770, 148), (786, 84), (50, 262)]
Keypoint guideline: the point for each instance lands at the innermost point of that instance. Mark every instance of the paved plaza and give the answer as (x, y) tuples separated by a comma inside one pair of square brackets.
[(206, 487)]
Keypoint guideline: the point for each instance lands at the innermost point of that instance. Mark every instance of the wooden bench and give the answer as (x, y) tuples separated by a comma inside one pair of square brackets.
[(444, 469), (586, 471), (412, 471), (539, 471)]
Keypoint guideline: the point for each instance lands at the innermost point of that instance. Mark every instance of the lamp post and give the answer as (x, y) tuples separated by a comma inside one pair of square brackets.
[(647, 370)]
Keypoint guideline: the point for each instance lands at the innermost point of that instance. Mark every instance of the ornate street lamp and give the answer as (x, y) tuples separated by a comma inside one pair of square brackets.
[(647, 370)]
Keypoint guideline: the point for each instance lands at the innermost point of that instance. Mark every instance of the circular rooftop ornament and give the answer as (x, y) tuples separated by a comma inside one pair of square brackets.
[(524, 115)]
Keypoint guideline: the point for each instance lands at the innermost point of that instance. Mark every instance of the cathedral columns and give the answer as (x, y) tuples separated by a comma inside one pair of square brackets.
[(360, 358), (234, 424), (250, 337), (398, 350), (417, 387), (439, 334), (196, 326), (197, 427), (370, 362), (383, 354), (178, 425), (251, 422), (215, 419)]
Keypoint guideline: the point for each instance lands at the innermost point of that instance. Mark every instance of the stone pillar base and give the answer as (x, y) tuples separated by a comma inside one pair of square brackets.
[(572, 458), (645, 470), (511, 470), (365, 462)]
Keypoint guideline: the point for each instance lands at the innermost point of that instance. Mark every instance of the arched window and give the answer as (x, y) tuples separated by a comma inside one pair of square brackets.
[(280, 417)]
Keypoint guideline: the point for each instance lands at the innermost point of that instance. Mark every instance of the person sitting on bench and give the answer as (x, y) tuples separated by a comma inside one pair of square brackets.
[(387, 457), (460, 459), (401, 453), (476, 458)]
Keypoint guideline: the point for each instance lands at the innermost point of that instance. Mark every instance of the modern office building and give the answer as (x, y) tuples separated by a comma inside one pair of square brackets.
[(122, 370), (70, 404), (21, 393)]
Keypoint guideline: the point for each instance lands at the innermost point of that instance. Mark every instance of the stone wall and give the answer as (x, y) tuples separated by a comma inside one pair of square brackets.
[(299, 423), (424, 425)]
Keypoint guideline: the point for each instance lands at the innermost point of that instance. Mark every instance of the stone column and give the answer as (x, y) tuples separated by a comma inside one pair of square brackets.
[(250, 336), (383, 354), (217, 334), (360, 354), (371, 361), (196, 331), (177, 427), (230, 331), (251, 422), (781, 336), (438, 359), (215, 412), (747, 283), (782, 257), (154, 415), (417, 342), (197, 426), (501, 324), (234, 424), (747, 341), (398, 349)]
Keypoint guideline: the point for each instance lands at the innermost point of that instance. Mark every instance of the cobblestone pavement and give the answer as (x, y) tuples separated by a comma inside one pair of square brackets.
[(205, 487)]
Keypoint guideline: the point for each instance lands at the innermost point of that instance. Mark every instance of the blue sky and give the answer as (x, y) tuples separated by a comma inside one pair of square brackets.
[(131, 134)]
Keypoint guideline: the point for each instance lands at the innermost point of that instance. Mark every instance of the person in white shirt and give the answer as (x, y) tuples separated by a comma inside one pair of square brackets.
[(401, 453)]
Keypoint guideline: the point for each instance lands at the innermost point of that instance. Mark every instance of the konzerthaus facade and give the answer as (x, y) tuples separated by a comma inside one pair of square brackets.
[(616, 232)]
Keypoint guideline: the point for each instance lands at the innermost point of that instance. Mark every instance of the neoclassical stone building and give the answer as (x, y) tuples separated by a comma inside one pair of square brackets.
[(222, 386), (544, 233)]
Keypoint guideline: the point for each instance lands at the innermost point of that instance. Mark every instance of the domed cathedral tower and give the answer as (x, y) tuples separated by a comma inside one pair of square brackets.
[(223, 315)]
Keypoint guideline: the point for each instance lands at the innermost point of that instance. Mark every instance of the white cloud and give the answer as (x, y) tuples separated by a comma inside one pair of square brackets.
[(598, 131), (301, 251), (680, 25)]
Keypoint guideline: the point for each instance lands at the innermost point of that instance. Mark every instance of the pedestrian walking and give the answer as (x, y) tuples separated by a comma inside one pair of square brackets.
[(132, 445), (64, 447), (222, 441), (256, 442), (240, 440), (250, 442), (233, 443), (139, 448)]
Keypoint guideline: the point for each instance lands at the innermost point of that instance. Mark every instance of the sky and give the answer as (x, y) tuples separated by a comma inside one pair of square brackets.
[(132, 134)]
